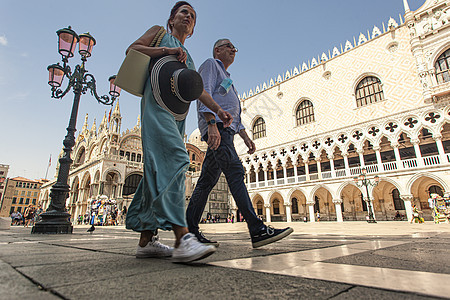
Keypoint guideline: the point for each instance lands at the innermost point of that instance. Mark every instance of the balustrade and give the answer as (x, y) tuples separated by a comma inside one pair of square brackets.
[(351, 172), (431, 160), (409, 163), (326, 175), (390, 166)]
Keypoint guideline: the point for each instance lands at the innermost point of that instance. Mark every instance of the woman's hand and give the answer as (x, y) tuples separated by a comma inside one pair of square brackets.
[(179, 52)]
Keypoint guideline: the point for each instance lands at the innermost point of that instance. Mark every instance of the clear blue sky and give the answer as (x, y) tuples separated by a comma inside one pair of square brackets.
[(272, 37)]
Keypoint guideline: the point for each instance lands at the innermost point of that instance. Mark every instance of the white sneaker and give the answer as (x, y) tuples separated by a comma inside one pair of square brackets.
[(154, 249), (191, 249)]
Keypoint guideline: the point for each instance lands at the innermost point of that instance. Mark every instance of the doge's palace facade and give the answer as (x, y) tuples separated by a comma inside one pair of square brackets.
[(380, 102)]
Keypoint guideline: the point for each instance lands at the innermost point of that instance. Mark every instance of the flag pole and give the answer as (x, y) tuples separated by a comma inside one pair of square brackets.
[(48, 166)]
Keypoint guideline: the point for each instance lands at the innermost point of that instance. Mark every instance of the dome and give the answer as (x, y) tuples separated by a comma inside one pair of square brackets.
[(196, 140)]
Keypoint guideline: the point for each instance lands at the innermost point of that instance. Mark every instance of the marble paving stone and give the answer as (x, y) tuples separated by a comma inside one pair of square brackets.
[(418, 256), (108, 268), (205, 282), (49, 258), (358, 292), (14, 286)]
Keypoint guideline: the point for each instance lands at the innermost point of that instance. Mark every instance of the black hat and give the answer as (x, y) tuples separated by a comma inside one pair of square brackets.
[(174, 85)]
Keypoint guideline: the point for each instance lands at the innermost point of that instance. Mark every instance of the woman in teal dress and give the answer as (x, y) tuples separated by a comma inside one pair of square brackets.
[(159, 201)]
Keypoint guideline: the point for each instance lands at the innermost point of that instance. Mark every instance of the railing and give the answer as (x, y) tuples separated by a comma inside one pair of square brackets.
[(326, 175), (301, 178), (372, 169), (355, 171), (351, 172), (431, 160), (390, 166), (314, 176), (409, 163), (135, 164), (341, 173)]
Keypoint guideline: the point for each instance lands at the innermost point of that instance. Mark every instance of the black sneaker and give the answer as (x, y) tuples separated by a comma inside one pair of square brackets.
[(268, 235), (202, 239)]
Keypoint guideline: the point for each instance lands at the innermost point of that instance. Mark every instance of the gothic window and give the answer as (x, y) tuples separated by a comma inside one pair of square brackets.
[(398, 202), (276, 207), (133, 156), (305, 113), (369, 90), (259, 129), (294, 206), (127, 154), (442, 67)]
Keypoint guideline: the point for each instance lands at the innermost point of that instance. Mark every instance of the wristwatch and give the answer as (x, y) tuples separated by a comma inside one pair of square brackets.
[(211, 122)]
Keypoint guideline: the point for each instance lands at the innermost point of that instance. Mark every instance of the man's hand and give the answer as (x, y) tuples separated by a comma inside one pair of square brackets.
[(225, 117), (248, 142), (213, 137)]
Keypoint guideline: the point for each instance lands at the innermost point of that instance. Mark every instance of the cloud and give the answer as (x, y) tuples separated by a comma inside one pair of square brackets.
[(3, 40)]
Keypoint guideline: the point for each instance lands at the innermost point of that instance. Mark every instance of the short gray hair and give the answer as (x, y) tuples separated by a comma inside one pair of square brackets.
[(217, 43)]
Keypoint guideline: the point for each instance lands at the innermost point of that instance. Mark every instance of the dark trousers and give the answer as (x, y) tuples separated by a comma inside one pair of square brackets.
[(226, 160)]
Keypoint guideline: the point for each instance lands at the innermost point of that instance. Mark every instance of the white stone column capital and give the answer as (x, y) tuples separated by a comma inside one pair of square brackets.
[(337, 201)]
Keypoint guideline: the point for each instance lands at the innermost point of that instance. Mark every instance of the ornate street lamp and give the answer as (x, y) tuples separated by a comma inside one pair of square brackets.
[(56, 218), (361, 181)]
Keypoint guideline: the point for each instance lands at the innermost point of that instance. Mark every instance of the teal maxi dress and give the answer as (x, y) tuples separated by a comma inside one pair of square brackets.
[(159, 200)]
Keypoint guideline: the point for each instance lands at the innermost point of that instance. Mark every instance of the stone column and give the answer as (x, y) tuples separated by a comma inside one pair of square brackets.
[(379, 161), (331, 158), (265, 175), (418, 153), (306, 170), (347, 167), (441, 150), (288, 212), (295, 172), (337, 204), (319, 169), (312, 215), (257, 175), (361, 158), (267, 206), (408, 206), (397, 157), (284, 172), (275, 174)]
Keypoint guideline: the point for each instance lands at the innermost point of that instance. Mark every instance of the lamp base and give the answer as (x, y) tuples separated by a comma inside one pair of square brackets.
[(371, 221), (53, 222)]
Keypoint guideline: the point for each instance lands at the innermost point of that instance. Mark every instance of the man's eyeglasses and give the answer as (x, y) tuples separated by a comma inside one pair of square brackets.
[(229, 45)]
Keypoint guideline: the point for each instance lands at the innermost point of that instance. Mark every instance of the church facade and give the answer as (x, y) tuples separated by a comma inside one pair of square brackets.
[(378, 105), (108, 162)]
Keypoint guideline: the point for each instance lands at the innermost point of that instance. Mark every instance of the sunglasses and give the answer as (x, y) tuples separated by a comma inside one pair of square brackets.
[(229, 45)]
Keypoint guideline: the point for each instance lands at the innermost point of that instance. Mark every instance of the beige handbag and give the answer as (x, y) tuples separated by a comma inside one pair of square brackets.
[(133, 72)]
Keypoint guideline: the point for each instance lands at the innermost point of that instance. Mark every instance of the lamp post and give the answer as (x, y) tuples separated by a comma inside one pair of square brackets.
[(56, 218), (361, 181)]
